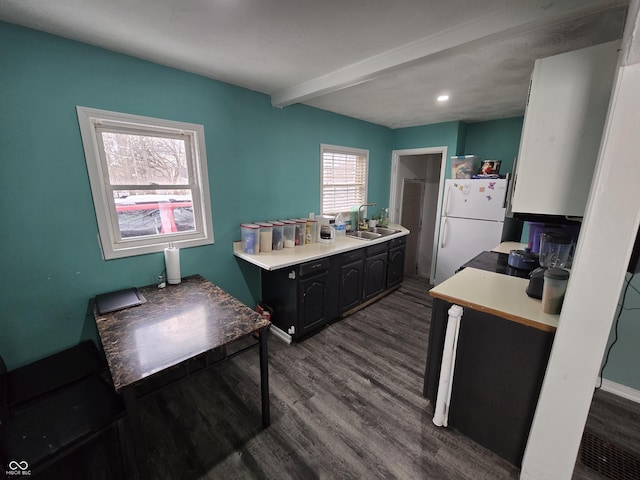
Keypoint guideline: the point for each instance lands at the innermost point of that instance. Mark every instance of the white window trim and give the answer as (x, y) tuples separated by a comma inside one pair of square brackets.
[(108, 231), (345, 150)]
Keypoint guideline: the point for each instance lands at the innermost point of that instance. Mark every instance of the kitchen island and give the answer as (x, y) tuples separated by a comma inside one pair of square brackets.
[(309, 286), (502, 351)]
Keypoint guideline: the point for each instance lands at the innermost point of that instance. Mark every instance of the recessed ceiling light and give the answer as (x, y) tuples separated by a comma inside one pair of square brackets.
[(443, 98)]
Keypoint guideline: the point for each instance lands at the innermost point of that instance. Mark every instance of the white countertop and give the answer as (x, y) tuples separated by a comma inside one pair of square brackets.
[(294, 256), (501, 295), (506, 247)]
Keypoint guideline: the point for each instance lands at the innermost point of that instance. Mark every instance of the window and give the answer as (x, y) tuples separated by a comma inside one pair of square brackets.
[(148, 180), (343, 178)]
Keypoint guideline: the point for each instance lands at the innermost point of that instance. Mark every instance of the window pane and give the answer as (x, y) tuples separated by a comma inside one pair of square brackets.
[(153, 212), (145, 160), (344, 180)]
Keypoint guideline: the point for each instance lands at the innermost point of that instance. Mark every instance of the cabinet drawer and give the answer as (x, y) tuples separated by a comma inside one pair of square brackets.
[(376, 249), (311, 268), (350, 257), (396, 242)]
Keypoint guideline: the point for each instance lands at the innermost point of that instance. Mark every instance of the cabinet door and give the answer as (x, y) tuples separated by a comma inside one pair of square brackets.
[(351, 285), (500, 366), (395, 269), (280, 292), (313, 302), (563, 125), (375, 275)]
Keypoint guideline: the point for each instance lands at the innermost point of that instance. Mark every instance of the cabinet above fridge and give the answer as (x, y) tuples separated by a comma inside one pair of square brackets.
[(564, 120)]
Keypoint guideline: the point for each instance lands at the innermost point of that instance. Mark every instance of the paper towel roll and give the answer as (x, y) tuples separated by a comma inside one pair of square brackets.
[(172, 264)]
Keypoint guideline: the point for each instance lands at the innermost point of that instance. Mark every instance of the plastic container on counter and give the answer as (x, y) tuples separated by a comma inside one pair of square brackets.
[(266, 237), (289, 233), (278, 235), (250, 237), (301, 230), (312, 224)]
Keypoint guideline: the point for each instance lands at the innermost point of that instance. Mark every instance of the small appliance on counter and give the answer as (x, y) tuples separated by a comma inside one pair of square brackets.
[(556, 251), (326, 230), (523, 260)]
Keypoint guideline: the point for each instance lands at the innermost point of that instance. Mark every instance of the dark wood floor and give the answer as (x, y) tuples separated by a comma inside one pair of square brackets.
[(345, 404)]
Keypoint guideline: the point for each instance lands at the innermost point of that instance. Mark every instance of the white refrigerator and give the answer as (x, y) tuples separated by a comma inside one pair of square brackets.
[(471, 222)]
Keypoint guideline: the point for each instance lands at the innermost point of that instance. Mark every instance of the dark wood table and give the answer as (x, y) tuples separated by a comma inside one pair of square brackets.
[(176, 325)]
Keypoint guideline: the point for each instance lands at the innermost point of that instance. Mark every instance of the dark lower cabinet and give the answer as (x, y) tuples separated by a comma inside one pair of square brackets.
[(307, 296), (395, 266), (313, 301), (302, 297), (351, 278), (499, 369), (375, 275)]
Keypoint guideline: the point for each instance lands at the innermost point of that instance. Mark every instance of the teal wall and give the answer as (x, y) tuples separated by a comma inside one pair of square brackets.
[(624, 358), (495, 140), (263, 163), (447, 134)]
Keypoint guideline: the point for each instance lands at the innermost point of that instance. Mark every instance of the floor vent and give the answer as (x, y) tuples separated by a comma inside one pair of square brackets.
[(608, 459)]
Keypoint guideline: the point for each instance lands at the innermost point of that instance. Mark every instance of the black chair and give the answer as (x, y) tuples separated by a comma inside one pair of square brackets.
[(23, 384), (54, 424)]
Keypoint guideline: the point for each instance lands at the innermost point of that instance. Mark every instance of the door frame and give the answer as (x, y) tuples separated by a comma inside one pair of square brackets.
[(395, 196)]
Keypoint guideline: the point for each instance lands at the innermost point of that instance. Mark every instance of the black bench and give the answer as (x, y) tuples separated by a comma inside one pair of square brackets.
[(48, 374)]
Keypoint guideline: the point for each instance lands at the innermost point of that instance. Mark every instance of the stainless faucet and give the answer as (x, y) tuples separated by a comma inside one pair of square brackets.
[(360, 219)]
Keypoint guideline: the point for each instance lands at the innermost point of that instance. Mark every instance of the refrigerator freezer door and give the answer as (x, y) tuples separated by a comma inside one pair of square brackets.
[(460, 240), (479, 199)]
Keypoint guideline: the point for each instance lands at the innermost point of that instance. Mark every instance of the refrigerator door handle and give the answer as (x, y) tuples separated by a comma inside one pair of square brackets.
[(507, 194), (446, 201), (444, 230)]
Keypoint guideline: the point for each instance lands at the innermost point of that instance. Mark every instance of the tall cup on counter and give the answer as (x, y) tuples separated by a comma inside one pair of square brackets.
[(553, 289)]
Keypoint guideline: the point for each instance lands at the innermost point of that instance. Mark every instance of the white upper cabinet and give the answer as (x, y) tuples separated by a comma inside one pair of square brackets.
[(564, 120)]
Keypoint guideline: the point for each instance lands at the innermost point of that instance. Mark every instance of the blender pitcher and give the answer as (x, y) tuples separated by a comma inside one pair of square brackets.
[(556, 251)]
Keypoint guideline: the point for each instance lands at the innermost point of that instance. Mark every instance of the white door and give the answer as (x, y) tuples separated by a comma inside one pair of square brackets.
[(412, 206), (481, 199), (462, 239)]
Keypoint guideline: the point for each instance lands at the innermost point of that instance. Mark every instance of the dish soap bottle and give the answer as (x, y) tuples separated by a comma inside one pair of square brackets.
[(341, 228), (384, 217)]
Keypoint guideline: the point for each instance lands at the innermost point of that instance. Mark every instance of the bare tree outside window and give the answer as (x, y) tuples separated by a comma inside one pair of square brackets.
[(149, 182)]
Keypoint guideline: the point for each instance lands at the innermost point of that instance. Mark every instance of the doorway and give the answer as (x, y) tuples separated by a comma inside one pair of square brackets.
[(417, 179), (411, 217)]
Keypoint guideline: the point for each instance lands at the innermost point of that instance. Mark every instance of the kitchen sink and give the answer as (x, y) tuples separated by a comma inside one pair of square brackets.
[(372, 233), (364, 235), (382, 230)]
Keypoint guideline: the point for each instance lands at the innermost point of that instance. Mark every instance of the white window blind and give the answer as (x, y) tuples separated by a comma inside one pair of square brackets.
[(344, 178)]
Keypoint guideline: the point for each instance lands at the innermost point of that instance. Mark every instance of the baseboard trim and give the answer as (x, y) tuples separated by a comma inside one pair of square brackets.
[(620, 390), (285, 337)]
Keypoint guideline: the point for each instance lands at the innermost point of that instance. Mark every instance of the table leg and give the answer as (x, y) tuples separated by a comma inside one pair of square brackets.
[(264, 378), (137, 436)]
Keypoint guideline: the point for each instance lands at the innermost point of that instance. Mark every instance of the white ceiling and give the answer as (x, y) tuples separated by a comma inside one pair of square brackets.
[(381, 61)]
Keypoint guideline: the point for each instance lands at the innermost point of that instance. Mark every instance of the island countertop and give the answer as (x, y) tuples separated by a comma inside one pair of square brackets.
[(501, 295), (301, 254)]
